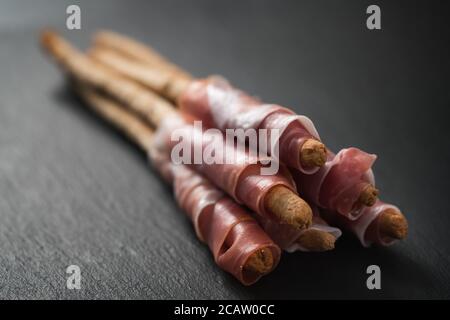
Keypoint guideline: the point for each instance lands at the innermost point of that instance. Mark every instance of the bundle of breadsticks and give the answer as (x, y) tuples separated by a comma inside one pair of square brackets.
[(245, 217)]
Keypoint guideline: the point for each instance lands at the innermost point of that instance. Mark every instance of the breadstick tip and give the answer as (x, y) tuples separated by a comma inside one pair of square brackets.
[(313, 153), (260, 261), (368, 195), (316, 240), (288, 207), (393, 224)]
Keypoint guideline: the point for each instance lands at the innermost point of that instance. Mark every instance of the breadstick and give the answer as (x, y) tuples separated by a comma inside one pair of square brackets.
[(137, 51)]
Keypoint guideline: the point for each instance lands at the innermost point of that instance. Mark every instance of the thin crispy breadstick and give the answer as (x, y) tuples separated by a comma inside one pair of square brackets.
[(392, 224), (137, 51), (316, 240)]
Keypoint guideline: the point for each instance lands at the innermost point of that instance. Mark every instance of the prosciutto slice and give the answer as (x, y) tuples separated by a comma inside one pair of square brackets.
[(240, 178), (228, 229), (219, 105), (364, 227), (338, 184)]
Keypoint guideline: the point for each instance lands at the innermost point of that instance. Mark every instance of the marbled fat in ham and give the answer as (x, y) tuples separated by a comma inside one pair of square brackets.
[(219, 105)]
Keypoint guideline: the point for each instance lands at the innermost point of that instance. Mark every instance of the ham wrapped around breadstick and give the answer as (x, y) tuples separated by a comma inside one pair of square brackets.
[(241, 178), (219, 105), (272, 196), (269, 195), (345, 184), (380, 224), (320, 236), (246, 185)]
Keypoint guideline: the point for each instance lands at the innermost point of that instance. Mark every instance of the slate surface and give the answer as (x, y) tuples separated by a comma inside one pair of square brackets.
[(73, 191)]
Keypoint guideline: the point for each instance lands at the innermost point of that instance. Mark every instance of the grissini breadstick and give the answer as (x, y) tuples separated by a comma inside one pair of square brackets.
[(138, 51), (280, 203), (240, 247), (360, 193), (155, 76)]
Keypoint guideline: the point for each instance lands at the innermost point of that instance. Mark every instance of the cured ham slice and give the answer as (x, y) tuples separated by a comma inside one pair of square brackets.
[(338, 184), (369, 228), (219, 105)]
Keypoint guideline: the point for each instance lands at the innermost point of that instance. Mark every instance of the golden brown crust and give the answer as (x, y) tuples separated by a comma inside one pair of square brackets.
[(288, 207), (368, 195), (261, 261), (136, 51), (392, 224), (109, 110), (316, 240), (283, 203), (313, 153), (164, 82), (152, 78)]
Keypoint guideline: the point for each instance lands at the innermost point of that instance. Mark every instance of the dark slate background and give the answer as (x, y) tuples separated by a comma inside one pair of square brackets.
[(73, 191)]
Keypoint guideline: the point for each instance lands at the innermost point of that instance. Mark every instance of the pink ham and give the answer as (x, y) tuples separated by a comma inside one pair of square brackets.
[(221, 106), (364, 227), (230, 232), (338, 184), (241, 178)]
